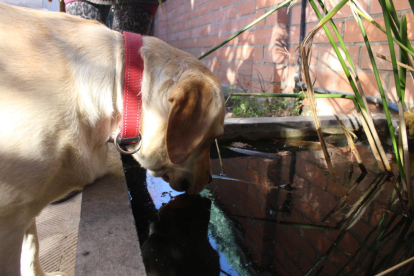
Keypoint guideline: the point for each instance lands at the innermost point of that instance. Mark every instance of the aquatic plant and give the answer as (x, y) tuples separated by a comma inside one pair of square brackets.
[(399, 29)]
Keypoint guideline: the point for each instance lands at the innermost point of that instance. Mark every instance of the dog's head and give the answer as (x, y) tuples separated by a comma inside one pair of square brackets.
[(182, 117), (195, 121)]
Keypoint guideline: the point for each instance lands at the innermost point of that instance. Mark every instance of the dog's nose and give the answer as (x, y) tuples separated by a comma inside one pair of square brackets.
[(210, 178), (185, 184)]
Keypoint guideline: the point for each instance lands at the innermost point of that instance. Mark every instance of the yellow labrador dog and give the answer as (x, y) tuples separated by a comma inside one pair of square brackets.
[(61, 94)]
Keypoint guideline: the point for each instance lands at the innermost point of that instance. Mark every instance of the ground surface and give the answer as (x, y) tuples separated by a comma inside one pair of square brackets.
[(58, 226)]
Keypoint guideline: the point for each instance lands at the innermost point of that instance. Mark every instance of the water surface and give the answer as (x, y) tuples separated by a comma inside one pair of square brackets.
[(276, 210)]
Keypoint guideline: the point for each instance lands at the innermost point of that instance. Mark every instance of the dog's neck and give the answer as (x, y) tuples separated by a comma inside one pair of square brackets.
[(128, 131), (132, 98)]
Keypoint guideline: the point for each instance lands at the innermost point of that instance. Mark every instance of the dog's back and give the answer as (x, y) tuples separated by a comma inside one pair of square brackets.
[(57, 102), (49, 103)]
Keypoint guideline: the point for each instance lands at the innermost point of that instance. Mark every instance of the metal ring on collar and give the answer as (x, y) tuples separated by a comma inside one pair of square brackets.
[(118, 147)]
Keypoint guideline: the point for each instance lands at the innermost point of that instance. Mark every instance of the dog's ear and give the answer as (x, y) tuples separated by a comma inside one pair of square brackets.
[(188, 121)]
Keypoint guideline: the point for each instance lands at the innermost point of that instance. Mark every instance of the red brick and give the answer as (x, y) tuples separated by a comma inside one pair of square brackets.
[(353, 32), (245, 82), (340, 259), (225, 3), (288, 81), (258, 54), (369, 83), (276, 54), (247, 7), (342, 83), (243, 68), (410, 26), (280, 17), (266, 3), (216, 65), (270, 36), (253, 17), (220, 15), (253, 239), (238, 24), (278, 266), (302, 242), (321, 37), (294, 34), (361, 230), (328, 269), (324, 77), (307, 210), (291, 265), (244, 53), (318, 239), (345, 11), (231, 12), (263, 87), (337, 189), (295, 13), (320, 199), (335, 106), (246, 38), (224, 27), (222, 78), (279, 253), (263, 71), (399, 5), (381, 64), (409, 95), (349, 244)]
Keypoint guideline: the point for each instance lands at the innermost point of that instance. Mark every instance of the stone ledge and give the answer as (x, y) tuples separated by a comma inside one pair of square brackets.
[(292, 127), (107, 240)]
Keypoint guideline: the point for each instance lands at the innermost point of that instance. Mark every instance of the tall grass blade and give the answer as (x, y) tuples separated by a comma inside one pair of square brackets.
[(335, 47), (385, 272), (371, 133), (408, 48), (305, 53), (284, 3), (400, 64), (386, 10), (222, 172), (377, 77), (403, 57), (312, 102), (354, 150)]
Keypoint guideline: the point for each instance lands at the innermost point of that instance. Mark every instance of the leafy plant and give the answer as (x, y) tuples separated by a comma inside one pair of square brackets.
[(244, 107)]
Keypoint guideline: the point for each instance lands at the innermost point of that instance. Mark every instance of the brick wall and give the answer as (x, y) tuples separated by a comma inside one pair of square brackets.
[(257, 59)]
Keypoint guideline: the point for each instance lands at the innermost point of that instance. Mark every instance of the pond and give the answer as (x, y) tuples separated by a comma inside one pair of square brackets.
[(275, 210)]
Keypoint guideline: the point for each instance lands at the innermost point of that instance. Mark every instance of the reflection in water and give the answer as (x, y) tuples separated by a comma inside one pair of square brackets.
[(282, 216), (178, 243)]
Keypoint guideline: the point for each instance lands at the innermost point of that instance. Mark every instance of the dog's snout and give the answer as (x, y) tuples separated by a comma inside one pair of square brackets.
[(210, 178), (185, 184)]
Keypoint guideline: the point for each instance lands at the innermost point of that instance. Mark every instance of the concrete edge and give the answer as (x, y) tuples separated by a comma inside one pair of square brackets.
[(294, 127), (107, 239)]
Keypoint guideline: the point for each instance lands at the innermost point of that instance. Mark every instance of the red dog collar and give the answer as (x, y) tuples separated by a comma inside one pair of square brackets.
[(132, 98)]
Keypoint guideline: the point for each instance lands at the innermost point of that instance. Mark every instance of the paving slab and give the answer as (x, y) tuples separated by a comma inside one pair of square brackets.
[(57, 227)]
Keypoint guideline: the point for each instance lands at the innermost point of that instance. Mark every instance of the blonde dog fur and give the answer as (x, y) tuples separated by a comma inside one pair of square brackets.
[(61, 97)]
